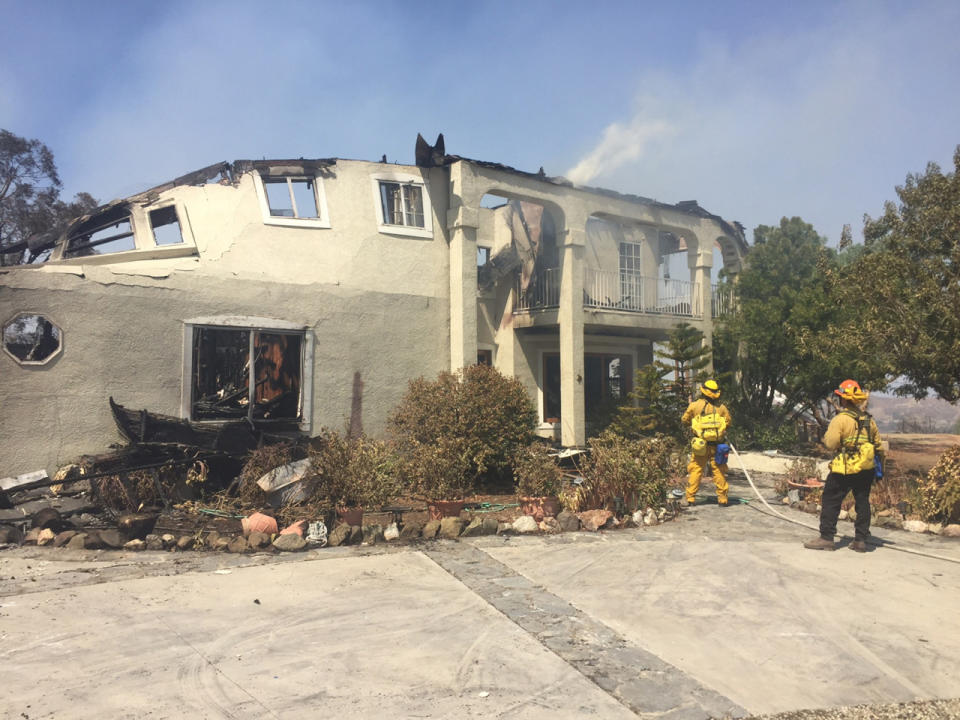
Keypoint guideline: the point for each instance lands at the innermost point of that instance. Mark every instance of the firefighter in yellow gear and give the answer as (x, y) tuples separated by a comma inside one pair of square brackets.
[(709, 420)]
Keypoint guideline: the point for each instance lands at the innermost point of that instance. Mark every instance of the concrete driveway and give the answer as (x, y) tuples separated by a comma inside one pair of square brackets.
[(721, 613)]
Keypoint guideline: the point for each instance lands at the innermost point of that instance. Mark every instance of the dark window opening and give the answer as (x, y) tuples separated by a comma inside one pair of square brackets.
[(227, 386), (166, 226), (402, 204), (107, 233), (31, 339), (291, 197), (607, 381), (484, 357)]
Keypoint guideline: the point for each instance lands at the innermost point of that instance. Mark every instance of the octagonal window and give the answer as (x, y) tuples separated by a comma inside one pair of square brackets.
[(31, 339)]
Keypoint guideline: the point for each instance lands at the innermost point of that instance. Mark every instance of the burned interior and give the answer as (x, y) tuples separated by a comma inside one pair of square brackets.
[(107, 232), (31, 339), (227, 386)]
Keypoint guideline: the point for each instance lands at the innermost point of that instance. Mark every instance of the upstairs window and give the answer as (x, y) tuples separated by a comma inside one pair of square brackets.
[(110, 232), (402, 204), (166, 226), (292, 200), (291, 197)]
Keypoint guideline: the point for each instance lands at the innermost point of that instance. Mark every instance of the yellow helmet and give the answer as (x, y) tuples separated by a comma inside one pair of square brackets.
[(850, 390), (710, 389)]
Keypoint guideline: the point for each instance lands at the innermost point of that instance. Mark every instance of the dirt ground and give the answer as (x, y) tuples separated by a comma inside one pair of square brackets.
[(911, 452)]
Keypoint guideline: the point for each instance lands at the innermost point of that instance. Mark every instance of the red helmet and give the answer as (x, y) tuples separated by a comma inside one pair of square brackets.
[(850, 390)]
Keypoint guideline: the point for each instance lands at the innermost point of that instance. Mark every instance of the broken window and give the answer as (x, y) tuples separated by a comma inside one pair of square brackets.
[(31, 339), (291, 197), (402, 204), (166, 226), (226, 385), (109, 232)]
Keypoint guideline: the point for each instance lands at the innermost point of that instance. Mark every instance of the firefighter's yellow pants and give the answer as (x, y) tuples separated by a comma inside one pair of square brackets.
[(696, 467)]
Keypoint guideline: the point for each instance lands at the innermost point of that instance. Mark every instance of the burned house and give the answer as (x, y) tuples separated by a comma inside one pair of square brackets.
[(301, 294)]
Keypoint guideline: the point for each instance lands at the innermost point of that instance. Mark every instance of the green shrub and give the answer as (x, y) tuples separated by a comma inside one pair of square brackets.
[(637, 472), (536, 473), (475, 419), (354, 471), (938, 494)]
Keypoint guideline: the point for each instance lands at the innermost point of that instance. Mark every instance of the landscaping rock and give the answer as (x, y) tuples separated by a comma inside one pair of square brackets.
[(112, 538), (391, 532), (550, 525), (289, 542), (935, 528), (154, 542), (47, 517), (785, 500), (46, 536), (569, 522), (136, 525), (505, 528), (889, 521), (10, 534), (651, 517), (411, 530), (168, 540), (339, 536), (185, 542), (490, 526), (372, 534), (916, 526), (450, 528), (136, 545), (259, 540), (951, 530), (237, 545), (594, 520), (525, 524), (474, 529), (77, 542), (210, 539), (431, 529), (31, 537), (91, 540), (637, 517), (356, 535), (63, 538)]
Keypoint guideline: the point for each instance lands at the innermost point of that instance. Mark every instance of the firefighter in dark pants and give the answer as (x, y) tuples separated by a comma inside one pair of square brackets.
[(854, 436)]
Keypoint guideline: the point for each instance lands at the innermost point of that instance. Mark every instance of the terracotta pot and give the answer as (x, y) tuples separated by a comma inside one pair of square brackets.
[(539, 507), (258, 522), (440, 509), (351, 516)]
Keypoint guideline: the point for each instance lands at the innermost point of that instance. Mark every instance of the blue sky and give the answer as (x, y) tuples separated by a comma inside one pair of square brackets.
[(756, 109)]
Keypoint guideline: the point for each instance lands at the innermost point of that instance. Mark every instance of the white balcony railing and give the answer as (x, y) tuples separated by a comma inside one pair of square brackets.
[(615, 290)]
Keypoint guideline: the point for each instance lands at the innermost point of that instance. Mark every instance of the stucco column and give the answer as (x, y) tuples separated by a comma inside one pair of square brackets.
[(649, 263), (700, 262), (462, 222), (570, 317)]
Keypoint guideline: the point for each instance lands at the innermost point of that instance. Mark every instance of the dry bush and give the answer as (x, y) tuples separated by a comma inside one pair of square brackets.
[(478, 417), (937, 496), (354, 471), (637, 472), (536, 472), (891, 491), (129, 491)]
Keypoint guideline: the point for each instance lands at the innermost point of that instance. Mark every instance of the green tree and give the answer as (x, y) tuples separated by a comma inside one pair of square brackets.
[(775, 345), (32, 214), (910, 279)]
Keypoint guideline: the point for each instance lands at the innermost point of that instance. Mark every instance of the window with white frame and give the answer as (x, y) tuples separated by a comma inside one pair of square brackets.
[(403, 205), (631, 281), (292, 200)]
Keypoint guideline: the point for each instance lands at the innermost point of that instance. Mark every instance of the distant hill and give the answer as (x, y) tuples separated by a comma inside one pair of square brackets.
[(898, 414)]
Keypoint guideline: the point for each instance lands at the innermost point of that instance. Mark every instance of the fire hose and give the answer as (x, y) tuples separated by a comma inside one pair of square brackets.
[(870, 541)]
